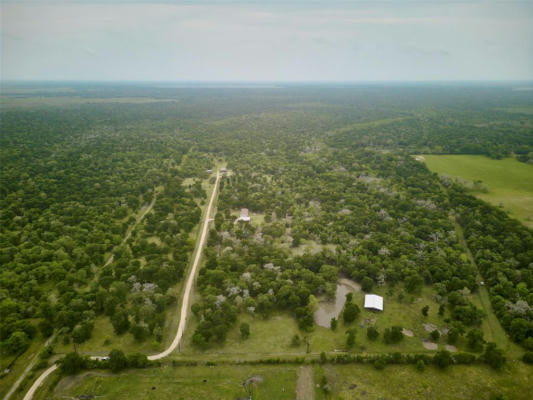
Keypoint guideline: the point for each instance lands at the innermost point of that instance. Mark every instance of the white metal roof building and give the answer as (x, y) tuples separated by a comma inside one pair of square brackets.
[(244, 215), (373, 302)]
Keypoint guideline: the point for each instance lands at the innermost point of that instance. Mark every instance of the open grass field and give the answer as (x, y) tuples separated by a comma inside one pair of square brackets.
[(271, 337), (194, 382), (473, 382), (354, 381), (510, 182)]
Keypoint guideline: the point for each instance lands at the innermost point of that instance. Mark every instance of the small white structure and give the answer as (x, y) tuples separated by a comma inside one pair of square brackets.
[(373, 302), (244, 215)]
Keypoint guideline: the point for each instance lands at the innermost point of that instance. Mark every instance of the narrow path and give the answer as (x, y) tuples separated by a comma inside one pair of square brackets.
[(139, 218), (305, 388), (184, 303), (496, 330)]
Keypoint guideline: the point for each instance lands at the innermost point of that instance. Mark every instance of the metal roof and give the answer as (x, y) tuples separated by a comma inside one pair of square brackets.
[(374, 301)]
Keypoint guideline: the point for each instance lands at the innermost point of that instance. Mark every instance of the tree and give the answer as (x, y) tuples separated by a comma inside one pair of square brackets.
[(333, 324), (372, 333), (435, 335), (475, 340), (493, 356), (17, 343), (46, 328), (519, 329), (120, 322), (350, 313), (425, 310), (392, 335), (528, 357), (245, 330), (442, 358), (367, 284), (72, 363), (137, 360), (117, 360)]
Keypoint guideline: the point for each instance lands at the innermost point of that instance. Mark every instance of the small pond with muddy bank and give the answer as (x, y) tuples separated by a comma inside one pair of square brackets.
[(328, 309)]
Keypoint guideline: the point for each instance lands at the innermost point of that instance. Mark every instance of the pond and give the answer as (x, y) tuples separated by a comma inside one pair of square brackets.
[(328, 309)]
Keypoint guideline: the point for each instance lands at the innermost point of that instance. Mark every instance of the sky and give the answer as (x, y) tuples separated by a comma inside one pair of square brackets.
[(395, 40)]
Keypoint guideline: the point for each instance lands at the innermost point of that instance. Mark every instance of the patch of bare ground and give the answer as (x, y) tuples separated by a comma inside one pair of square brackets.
[(430, 345), (70, 381), (407, 332)]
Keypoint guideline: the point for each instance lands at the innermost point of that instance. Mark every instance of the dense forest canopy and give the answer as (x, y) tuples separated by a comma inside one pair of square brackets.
[(325, 164)]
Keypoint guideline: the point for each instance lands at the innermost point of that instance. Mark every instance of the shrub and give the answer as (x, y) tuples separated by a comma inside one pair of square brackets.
[(350, 313), (372, 333), (117, 360), (493, 356), (528, 357), (72, 363), (296, 341), (442, 359), (393, 335), (425, 310), (245, 330), (380, 363)]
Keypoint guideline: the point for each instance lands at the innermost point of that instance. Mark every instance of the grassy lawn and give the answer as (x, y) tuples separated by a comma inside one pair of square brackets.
[(354, 381), (405, 382), (201, 382), (312, 247), (509, 181)]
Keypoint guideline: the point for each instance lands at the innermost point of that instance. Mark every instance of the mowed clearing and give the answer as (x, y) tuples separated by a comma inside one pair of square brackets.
[(510, 182), (191, 382)]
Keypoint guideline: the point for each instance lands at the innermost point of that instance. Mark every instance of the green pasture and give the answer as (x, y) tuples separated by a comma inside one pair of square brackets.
[(191, 382), (404, 382), (509, 182)]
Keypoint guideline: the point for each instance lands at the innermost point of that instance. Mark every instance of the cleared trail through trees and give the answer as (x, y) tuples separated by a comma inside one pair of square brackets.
[(305, 388), (139, 218), (184, 304), (497, 332)]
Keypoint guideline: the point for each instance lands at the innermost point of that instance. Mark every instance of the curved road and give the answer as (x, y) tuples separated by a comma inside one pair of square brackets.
[(184, 303)]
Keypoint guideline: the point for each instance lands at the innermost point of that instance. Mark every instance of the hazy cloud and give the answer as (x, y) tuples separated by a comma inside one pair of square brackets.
[(246, 40)]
